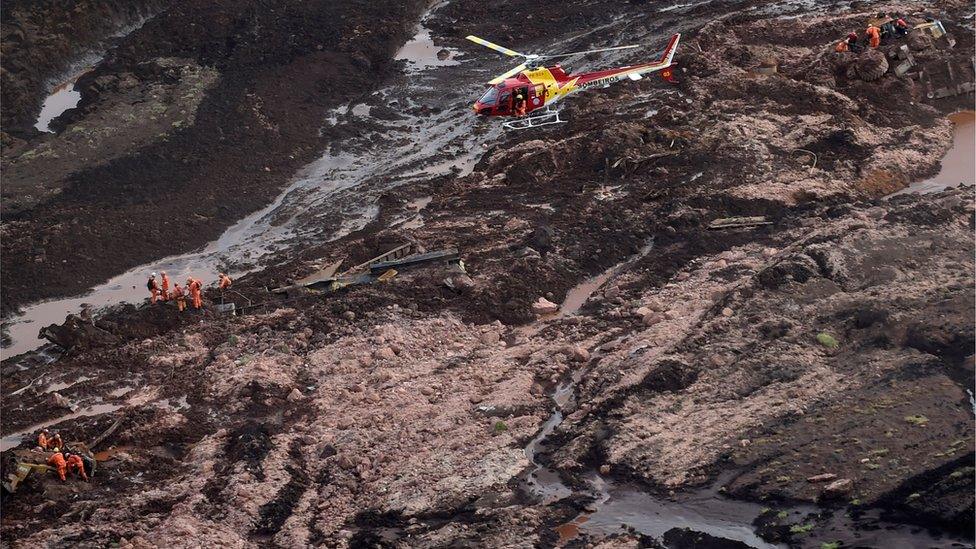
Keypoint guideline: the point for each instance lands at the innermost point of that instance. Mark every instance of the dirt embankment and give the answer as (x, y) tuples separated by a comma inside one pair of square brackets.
[(191, 122), (838, 350), (39, 40), (833, 341)]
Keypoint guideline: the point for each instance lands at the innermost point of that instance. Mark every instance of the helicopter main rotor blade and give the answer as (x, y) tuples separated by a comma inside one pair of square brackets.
[(590, 51), (495, 47), (500, 78)]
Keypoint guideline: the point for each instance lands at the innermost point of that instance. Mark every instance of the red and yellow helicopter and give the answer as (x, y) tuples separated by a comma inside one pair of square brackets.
[(540, 86)]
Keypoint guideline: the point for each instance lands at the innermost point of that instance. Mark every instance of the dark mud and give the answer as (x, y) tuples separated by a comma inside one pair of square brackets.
[(243, 142), (398, 413), (41, 41)]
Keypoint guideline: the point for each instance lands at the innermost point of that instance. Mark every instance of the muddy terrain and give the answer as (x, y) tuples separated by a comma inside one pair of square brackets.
[(605, 367), (192, 121)]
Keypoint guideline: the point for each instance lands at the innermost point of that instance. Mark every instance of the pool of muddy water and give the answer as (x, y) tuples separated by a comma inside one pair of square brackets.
[(64, 97), (959, 164)]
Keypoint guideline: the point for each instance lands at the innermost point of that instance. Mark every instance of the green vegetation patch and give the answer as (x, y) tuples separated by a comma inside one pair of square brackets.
[(827, 340), (917, 419)]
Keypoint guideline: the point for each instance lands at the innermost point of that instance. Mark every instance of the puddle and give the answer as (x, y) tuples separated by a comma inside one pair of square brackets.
[(418, 204), (959, 164), (579, 294), (14, 439), (61, 385), (120, 391), (64, 97), (620, 507), (420, 53), (543, 482), (173, 405), (415, 221), (108, 455)]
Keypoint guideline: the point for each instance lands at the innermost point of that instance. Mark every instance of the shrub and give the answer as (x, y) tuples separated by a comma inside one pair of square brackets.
[(827, 340)]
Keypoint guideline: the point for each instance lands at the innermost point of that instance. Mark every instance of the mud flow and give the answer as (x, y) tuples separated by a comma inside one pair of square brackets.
[(728, 308), (331, 197)]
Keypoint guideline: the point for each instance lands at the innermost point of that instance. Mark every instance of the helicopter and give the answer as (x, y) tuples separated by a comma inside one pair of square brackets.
[(541, 86)]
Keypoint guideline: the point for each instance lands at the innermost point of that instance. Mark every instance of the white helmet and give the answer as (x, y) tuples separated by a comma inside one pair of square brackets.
[(153, 275)]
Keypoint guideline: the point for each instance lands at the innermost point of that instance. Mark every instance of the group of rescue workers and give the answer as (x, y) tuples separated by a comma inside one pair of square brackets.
[(63, 460), (159, 290), (881, 27)]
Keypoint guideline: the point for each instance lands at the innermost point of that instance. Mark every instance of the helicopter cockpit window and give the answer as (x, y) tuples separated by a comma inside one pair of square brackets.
[(489, 97)]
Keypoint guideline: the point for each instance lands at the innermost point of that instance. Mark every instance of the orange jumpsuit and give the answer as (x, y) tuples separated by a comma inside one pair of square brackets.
[(841, 46), (874, 36), (180, 297), (194, 287), (519, 107), (42, 441), (165, 293), (57, 460), (75, 463), (153, 291), (55, 442), (225, 282)]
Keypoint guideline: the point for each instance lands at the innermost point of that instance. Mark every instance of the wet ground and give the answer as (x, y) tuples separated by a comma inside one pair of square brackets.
[(434, 422)]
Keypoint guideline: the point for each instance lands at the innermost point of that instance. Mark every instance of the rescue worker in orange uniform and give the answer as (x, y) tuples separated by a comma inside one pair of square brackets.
[(57, 460), (901, 27), (165, 291), (42, 439), (519, 104), (55, 442), (225, 281), (75, 463), (153, 286), (193, 285), (179, 296), (874, 36), (841, 46)]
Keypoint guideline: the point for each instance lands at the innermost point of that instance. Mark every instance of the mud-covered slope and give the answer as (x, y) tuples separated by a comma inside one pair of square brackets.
[(242, 89), (836, 339), (817, 357), (40, 39)]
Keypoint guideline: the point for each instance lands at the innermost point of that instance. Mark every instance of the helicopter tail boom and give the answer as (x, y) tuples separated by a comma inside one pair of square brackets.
[(609, 76)]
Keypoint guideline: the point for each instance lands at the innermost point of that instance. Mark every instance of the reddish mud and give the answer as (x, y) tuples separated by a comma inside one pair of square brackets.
[(816, 366)]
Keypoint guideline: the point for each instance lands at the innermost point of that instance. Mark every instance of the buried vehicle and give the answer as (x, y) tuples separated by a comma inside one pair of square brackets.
[(30, 465)]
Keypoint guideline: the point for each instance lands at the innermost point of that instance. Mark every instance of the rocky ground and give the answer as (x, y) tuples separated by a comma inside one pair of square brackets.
[(817, 365)]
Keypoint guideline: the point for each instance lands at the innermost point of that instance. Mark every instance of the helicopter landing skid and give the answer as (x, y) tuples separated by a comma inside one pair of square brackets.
[(545, 118)]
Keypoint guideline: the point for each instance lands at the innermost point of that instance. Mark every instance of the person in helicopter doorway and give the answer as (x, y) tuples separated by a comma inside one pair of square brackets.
[(519, 104)]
